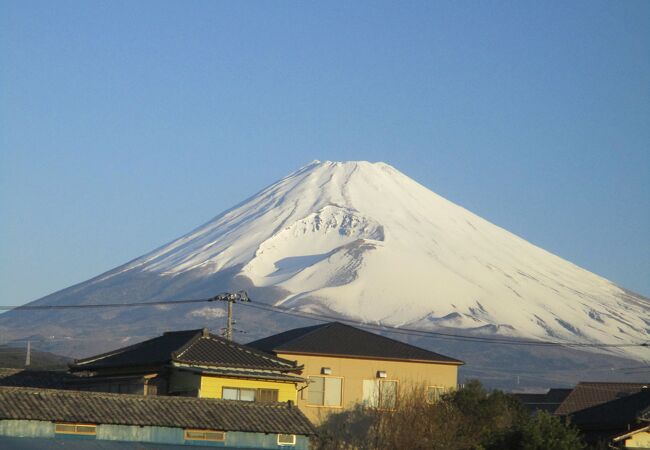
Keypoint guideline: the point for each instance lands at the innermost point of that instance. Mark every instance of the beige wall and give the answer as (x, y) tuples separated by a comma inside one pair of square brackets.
[(354, 371)]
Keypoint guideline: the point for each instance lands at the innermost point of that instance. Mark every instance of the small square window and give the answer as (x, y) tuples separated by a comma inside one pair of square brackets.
[(434, 393), (205, 435), (286, 439), (74, 428)]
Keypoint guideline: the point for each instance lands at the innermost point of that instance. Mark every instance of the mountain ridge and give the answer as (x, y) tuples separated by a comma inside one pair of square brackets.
[(364, 241)]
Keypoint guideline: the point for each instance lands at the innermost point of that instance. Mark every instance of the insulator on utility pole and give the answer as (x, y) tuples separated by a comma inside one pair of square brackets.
[(231, 298)]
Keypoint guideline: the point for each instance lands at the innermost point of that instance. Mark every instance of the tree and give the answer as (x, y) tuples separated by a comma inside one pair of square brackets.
[(547, 432), (471, 418)]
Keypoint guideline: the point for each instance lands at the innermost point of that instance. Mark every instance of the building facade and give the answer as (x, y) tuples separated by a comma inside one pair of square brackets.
[(48, 414), (345, 366), (192, 363)]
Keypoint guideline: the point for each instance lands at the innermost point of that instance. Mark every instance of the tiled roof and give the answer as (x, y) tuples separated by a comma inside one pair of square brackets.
[(337, 339), (196, 347), (548, 401), (588, 394), (125, 409), (614, 414)]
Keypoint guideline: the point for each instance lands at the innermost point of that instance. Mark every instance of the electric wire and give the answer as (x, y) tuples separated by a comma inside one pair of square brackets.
[(328, 318)]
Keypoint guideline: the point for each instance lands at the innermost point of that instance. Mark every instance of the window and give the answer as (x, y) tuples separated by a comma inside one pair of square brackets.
[(434, 393), (205, 435), (247, 395), (286, 439), (380, 393), (387, 394), (75, 428), (324, 391), (250, 395), (267, 395)]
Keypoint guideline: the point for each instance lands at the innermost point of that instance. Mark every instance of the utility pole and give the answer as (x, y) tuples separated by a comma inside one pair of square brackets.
[(231, 298), (28, 356)]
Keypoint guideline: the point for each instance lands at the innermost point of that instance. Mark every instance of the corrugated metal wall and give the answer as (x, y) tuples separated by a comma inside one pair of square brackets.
[(160, 435)]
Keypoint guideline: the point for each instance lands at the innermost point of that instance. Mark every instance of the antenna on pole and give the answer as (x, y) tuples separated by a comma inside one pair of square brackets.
[(240, 296)]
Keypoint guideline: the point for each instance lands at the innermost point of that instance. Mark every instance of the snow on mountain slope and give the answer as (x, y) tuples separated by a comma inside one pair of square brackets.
[(365, 241)]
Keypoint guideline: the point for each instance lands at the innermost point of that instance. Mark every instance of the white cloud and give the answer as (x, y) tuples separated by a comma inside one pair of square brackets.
[(208, 313)]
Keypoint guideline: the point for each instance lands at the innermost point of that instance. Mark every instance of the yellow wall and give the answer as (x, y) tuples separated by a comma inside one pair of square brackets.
[(639, 440), (354, 371), (211, 387)]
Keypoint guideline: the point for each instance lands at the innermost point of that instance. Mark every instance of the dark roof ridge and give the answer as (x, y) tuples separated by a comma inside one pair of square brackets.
[(316, 328), (183, 348), (88, 359), (292, 365), (167, 333)]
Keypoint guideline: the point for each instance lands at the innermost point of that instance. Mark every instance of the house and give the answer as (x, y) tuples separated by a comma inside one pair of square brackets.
[(587, 394), (613, 413), (345, 365), (616, 418), (192, 363), (33, 418), (638, 438)]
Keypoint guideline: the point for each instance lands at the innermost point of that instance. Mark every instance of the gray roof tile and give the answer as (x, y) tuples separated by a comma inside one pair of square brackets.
[(124, 409)]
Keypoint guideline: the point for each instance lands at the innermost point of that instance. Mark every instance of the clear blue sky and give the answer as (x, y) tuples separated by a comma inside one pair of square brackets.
[(125, 124)]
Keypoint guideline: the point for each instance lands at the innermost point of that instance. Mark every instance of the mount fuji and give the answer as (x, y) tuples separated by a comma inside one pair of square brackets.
[(362, 241)]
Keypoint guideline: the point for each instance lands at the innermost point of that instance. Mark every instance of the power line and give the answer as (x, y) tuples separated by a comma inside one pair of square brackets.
[(107, 305), (328, 318), (426, 333)]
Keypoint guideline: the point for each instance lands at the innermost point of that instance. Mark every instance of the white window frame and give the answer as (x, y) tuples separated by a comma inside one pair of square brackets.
[(306, 391), (187, 437), (76, 426), (239, 389), (442, 390), (377, 400), (293, 441)]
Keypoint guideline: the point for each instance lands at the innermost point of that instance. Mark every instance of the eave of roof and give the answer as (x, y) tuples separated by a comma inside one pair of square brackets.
[(250, 374), (621, 437)]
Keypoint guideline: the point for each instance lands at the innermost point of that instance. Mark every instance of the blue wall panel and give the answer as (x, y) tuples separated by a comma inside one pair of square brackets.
[(159, 435)]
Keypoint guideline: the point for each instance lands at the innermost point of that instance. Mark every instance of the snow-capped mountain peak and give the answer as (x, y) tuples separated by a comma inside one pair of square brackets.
[(365, 241)]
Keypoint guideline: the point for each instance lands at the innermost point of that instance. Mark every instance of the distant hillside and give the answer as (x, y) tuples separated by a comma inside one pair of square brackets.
[(364, 242), (14, 357)]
